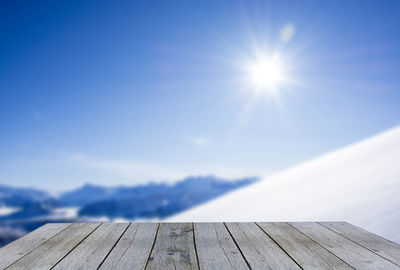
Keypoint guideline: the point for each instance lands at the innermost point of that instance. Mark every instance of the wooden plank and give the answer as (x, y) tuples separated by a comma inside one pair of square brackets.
[(258, 248), (355, 255), (53, 250), (216, 250), (306, 252), (91, 252), (174, 248), (133, 249), (22, 246), (373, 242)]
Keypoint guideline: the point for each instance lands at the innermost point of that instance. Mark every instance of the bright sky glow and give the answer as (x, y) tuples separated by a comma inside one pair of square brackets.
[(266, 74)]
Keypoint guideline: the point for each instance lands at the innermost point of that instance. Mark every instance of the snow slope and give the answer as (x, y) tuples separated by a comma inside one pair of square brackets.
[(359, 184)]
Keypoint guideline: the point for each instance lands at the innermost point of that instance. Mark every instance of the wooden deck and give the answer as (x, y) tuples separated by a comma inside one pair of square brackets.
[(311, 245)]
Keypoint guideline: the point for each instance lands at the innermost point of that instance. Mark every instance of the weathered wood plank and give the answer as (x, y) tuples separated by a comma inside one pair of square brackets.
[(375, 243), (133, 249), (310, 245), (258, 248), (355, 255), (22, 246), (174, 248), (216, 249), (306, 252), (92, 251), (53, 250)]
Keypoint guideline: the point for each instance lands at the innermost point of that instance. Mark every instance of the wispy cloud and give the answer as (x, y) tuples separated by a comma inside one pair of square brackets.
[(66, 170), (143, 171), (199, 141), (287, 32), (128, 169)]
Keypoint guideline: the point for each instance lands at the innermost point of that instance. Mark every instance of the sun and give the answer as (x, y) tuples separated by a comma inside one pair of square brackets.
[(266, 73)]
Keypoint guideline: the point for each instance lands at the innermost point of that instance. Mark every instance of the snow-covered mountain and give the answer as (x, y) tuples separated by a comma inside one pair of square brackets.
[(25, 209), (359, 184)]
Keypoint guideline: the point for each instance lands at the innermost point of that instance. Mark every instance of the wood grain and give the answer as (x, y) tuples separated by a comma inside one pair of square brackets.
[(216, 249), (306, 252), (90, 253), (53, 250), (258, 248), (22, 246), (174, 248), (355, 255), (376, 244), (133, 249)]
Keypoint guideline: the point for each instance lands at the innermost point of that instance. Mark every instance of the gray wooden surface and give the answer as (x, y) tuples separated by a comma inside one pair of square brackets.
[(22, 246), (263, 245), (92, 251), (376, 244), (306, 252), (133, 249), (216, 249), (53, 250), (259, 249), (174, 248), (354, 254)]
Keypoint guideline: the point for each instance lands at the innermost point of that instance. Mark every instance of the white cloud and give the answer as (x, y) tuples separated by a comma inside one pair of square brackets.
[(287, 32), (4, 210)]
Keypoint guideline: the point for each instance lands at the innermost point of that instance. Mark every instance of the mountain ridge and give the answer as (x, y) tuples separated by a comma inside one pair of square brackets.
[(32, 208)]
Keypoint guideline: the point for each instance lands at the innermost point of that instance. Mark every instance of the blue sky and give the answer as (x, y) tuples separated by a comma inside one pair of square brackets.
[(126, 92)]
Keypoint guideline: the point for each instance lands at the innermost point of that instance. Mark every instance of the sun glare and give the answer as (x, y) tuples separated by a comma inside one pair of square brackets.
[(266, 74)]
